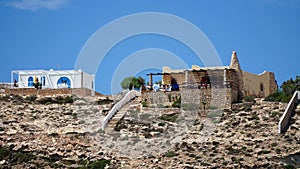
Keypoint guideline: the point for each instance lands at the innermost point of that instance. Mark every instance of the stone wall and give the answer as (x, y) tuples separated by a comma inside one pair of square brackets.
[(222, 98), (193, 98), (211, 98), (272, 83), (260, 85), (49, 92), (160, 98)]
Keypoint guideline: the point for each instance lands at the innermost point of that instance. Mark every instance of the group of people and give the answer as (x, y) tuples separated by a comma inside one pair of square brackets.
[(159, 87), (36, 83), (171, 87)]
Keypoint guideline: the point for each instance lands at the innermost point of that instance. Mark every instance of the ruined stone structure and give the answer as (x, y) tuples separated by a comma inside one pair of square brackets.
[(209, 87)]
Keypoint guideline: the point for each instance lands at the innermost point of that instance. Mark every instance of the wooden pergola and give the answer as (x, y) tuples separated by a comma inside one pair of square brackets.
[(154, 74)]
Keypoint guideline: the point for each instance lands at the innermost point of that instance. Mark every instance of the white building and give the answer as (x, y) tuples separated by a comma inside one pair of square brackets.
[(53, 79)]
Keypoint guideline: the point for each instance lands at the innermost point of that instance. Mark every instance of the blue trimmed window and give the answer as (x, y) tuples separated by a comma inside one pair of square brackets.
[(64, 82)]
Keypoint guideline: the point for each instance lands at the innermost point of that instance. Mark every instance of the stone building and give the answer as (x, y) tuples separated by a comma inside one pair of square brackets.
[(213, 87)]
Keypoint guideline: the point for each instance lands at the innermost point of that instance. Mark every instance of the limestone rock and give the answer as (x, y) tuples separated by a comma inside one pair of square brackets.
[(62, 132), (2, 162), (11, 132)]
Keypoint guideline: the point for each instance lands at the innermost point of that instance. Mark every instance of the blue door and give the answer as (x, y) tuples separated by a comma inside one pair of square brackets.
[(30, 81)]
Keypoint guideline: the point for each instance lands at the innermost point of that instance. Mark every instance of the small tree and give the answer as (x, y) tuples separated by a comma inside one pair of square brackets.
[(130, 82), (288, 88)]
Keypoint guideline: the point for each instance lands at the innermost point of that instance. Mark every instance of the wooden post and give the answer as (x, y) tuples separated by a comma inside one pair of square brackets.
[(150, 80)]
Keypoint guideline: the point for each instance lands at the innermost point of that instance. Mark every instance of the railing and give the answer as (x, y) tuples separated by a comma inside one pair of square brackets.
[(284, 120), (127, 98)]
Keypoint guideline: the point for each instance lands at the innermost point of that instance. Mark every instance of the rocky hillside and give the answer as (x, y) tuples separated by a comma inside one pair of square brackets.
[(64, 132)]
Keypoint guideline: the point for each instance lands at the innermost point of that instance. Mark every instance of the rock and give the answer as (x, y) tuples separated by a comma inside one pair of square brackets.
[(11, 132), (154, 133), (282, 106), (69, 146), (155, 160), (297, 108), (170, 113), (2, 162), (80, 102), (18, 147)]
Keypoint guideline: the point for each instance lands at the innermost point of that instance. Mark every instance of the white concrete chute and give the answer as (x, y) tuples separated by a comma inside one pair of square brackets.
[(126, 99), (284, 121)]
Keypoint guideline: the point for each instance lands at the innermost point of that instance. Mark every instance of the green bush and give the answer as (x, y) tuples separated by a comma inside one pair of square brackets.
[(17, 98), (144, 104), (276, 96), (68, 99), (4, 152), (247, 108), (161, 124), (62, 100), (264, 152), (289, 166), (104, 101), (170, 154), (177, 103), (171, 118), (288, 88), (279, 96), (286, 98), (249, 99), (31, 98), (24, 157), (4, 98)]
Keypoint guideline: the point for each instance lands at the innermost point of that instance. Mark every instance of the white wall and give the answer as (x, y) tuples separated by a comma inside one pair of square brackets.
[(88, 81), (77, 78), (23, 80)]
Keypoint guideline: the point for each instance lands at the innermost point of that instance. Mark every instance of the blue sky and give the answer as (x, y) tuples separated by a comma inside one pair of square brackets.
[(44, 34)]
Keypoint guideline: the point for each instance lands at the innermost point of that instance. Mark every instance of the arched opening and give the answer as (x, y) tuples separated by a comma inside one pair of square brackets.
[(64, 82), (205, 81), (30, 81), (261, 87)]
